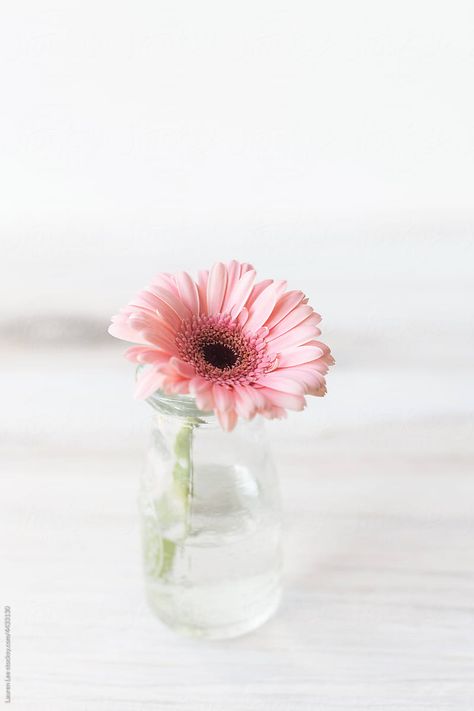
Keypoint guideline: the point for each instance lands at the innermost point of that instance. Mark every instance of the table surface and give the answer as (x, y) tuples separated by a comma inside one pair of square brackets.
[(378, 608)]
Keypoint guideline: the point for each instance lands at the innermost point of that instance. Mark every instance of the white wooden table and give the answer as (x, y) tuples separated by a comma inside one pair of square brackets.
[(378, 611)]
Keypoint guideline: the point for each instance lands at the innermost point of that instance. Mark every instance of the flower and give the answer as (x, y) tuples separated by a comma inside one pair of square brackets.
[(239, 346)]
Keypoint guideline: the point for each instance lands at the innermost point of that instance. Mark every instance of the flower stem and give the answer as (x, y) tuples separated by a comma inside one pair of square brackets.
[(183, 486)]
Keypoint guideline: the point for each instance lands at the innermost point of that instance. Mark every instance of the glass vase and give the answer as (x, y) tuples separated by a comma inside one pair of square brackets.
[(211, 523)]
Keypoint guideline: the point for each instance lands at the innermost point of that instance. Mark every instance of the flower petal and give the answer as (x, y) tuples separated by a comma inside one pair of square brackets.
[(188, 292), (281, 399), (222, 397), (148, 383), (172, 301), (300, 354), (145, 354), (262, 307), (233, 275), (273, 413), (296, 337), (121, 328), (256, 394), (145, 299), (288, 384), (240, 293), (166, 281), (227, 419), (244, 403), (176, 385), (182, 367), (284, 305), (203, 278), (198, 384), (257, 290), (203, 392), (295, 317), (216, 288), (160, 336), (246, 267), (162, 309), (306, 374)]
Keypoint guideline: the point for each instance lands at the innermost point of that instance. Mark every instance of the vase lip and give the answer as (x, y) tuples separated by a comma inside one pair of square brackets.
[(178, 405)]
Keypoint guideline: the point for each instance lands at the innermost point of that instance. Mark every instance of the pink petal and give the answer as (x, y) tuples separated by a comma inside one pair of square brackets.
[(167, 282), (273, 364), (120, 328), (322, 346), (243, 401), (246, 267), (233, 275), (140, 320), (165, 311), (176, 386), (216, 288), (227, 419), (240, 293), (188, 292), (286, 400), (144, 318), (261, 308), (203, 278), (184, 369), (199, 384), (323, 363), (280, 285), (145, 299), (172, 301), (306, 374), (273, 413), (222, 397), (148, 383), (257, 290), (313, 380), (327, 356), (257, 396), (301, 354), (296, 337), (160, 336), (295, 317), (312, 319), (284, 305), (277, 381), (203, 392), (318, 391), (205, 399), (242, 317), (144, 354)]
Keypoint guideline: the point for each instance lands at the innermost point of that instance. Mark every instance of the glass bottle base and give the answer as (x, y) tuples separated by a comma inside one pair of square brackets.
[(213, 622)]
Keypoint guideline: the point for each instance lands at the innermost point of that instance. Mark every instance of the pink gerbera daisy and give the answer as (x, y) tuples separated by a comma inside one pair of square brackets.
[(239, 346)]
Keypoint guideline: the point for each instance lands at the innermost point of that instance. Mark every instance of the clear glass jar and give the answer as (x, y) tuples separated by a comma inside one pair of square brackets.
[(211, 522)]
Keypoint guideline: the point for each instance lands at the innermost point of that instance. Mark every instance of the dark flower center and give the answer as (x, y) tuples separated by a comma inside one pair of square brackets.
[(219, 355)]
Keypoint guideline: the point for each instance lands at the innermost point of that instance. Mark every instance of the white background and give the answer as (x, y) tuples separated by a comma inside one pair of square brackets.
[(327, 143)]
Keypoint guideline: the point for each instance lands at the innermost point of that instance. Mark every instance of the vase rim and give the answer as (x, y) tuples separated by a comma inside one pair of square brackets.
[(178, 405)]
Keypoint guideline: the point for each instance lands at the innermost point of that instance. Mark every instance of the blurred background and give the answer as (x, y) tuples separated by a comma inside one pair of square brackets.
[(327, 143), (330, 144)]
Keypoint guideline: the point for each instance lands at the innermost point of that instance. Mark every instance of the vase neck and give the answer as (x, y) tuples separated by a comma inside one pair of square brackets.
[(179, 406)]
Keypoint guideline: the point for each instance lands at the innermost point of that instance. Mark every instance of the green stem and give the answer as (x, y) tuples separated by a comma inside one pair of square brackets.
[(182, 470), (182, 485)]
